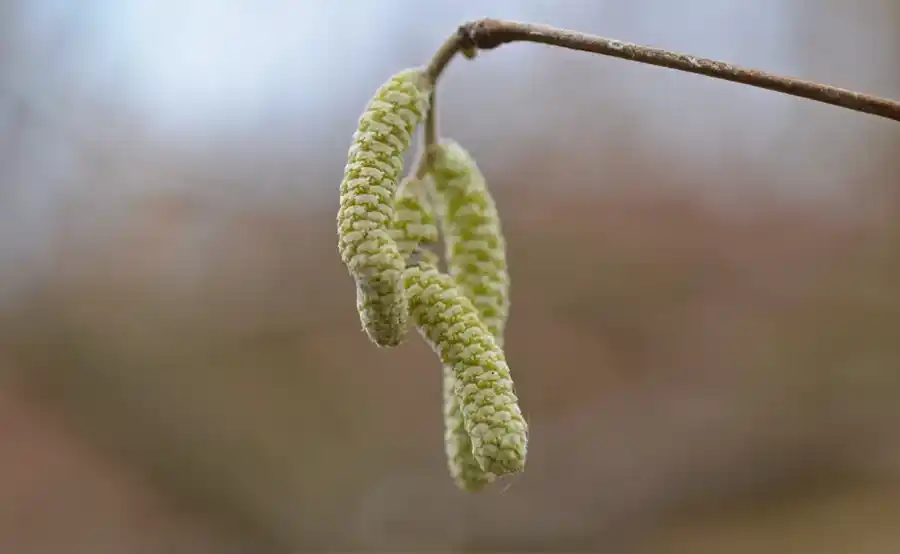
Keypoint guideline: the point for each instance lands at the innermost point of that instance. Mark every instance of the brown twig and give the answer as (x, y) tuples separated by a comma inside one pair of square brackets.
[(486, 34)]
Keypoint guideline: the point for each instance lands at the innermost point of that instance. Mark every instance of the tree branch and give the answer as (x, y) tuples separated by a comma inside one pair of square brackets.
[(487, 34)]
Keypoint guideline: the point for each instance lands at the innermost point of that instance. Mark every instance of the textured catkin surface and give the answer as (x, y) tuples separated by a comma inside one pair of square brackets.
[(415, 226), (414, 221), (464, 469), (476, 258), (449, 322), (374, 166), (475, 246)]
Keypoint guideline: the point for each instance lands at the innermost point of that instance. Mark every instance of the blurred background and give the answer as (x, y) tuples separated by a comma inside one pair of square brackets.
[(705, 300)]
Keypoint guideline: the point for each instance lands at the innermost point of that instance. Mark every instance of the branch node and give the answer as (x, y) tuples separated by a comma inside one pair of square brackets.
[(482, 34)]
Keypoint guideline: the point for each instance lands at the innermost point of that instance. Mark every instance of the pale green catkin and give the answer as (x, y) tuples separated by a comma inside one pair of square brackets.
[(414, 226), (473, 237), (374, 165), (450, 323), (476, 258)]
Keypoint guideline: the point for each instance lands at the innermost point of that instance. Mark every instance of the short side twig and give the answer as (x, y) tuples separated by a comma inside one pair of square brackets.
[(486, 34)]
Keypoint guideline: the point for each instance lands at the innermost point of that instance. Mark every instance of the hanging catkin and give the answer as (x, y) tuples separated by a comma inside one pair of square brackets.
[(475, 248), (384, 234), (476, 257), (414, 230), (375, 163), (449, 322)]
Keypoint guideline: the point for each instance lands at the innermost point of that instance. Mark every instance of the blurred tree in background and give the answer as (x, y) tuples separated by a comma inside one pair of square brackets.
[(182, 364)]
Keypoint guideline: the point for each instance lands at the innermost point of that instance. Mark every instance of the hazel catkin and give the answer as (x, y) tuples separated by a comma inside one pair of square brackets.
[(475, 247), (375, 163), (476, 257), (414, 229), (449, 322), (414, 226)]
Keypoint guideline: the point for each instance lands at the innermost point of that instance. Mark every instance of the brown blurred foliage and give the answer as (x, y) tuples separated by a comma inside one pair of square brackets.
[(668, 355)]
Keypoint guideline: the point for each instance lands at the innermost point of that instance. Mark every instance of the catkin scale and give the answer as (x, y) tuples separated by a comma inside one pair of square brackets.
[(374, 165), (449, 322)]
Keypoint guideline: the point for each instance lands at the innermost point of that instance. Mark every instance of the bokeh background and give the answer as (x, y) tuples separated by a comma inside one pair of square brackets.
[(704, 332)]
